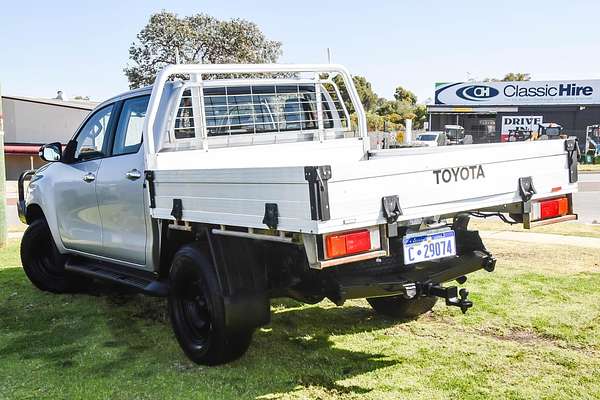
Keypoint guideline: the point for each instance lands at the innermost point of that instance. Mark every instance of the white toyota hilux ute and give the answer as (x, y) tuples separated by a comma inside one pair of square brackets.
[(223, 186)]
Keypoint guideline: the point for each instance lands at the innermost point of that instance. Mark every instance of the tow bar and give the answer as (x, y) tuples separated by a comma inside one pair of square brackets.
[(453, 296)]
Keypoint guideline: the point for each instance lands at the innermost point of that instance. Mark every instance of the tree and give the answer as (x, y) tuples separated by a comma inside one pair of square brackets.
[(420, 116), (395, 118), (195, 39), (396, 111), (387, 107), (511, 76), (367, 96), (516, 76), (374, 122), (380, 110), (405, 96), (365, 92)]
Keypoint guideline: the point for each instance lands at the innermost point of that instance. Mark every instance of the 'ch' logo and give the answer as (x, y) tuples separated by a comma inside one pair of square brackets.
[(477, 92)]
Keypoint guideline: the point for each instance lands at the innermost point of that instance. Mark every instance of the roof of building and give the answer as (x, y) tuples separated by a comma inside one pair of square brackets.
[(80, 104)]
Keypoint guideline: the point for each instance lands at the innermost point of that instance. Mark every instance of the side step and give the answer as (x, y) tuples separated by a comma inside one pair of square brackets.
[(142, 281)]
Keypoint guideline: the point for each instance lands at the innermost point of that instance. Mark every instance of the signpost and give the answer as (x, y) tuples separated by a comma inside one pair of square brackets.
[(2, 180)]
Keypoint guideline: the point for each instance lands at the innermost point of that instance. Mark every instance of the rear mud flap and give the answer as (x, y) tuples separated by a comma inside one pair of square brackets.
[(245, 295)]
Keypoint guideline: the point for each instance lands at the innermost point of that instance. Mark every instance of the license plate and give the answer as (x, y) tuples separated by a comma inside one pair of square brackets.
[(420, 247)]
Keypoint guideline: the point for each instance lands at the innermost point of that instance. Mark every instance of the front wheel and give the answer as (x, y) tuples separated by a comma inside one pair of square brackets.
[(197, 311), (42, 262), (400, 307)]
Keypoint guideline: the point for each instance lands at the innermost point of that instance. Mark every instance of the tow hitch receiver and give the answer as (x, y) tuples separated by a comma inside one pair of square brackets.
[(451, 294)]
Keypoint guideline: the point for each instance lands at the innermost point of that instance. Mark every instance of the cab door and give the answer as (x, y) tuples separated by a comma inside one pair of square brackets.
[(77, 211), (120, 188)]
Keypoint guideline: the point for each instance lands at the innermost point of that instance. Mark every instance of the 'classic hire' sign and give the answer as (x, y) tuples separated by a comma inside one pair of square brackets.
[(518, 93)]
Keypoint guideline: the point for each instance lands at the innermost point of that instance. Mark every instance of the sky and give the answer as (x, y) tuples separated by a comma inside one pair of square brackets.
[(81, 47)]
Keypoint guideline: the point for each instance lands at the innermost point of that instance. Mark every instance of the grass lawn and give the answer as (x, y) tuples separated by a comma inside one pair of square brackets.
[(565, 228), (17, 228), (534, 333)]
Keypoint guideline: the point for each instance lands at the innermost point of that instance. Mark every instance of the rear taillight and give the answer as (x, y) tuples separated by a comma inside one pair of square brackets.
[(545, 209), (348, 243)]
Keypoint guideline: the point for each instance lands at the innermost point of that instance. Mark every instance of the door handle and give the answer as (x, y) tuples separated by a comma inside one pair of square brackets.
[(133, 175), (89, 177)]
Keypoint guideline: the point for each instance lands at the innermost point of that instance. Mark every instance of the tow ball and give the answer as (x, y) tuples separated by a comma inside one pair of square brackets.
[(453, 296)]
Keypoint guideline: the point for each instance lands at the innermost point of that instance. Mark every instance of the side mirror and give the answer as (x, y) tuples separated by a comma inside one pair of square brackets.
[(51, 152)]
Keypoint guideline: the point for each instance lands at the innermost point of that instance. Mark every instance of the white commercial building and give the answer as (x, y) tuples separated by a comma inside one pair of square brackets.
[(31, 122)]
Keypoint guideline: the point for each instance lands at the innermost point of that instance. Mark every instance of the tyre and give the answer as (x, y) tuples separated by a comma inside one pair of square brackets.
[(399, 307), (43, 264), (197, 311)]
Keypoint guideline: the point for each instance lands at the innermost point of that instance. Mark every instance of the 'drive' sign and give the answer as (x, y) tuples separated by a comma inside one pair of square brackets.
[(521, 122)]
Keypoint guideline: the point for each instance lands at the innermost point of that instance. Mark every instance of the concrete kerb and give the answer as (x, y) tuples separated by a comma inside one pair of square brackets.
[(542, 238)]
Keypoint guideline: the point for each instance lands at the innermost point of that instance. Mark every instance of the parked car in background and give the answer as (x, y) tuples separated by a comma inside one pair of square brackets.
[(455, 134), (432, 139)]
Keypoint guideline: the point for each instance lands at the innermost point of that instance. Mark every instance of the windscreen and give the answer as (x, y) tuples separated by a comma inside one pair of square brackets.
[(427, 138), (454, 133)]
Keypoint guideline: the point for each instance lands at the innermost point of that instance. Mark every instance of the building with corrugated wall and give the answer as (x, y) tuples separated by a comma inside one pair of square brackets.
[(32, 122)]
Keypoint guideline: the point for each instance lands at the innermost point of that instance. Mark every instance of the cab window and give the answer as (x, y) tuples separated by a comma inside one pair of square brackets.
[(128, 137), (92, 139)]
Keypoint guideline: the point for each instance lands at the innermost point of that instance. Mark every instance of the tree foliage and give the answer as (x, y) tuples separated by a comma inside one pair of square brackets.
[(516, 76), (365, 92), (198, 38), (367, 96), (204, 39), (511, 76), (420, 116), (381, 112), (405, 96)]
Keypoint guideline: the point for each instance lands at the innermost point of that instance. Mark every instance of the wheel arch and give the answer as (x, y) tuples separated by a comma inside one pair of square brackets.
[(34, 212)]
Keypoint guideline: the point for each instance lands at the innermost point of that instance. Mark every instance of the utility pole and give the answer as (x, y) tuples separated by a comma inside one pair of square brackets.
[(2, 180)]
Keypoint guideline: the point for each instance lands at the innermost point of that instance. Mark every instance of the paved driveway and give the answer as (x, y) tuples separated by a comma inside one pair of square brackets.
[(587, 200)]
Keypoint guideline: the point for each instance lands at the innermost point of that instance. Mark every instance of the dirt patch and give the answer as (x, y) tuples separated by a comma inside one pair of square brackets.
[(532, 338), (518, 335), (544, 258), (419, 326), (433, 316)]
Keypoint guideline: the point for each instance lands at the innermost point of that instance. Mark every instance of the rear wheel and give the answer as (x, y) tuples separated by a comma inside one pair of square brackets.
[(399, 307), (42, 262), (197, 312)]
